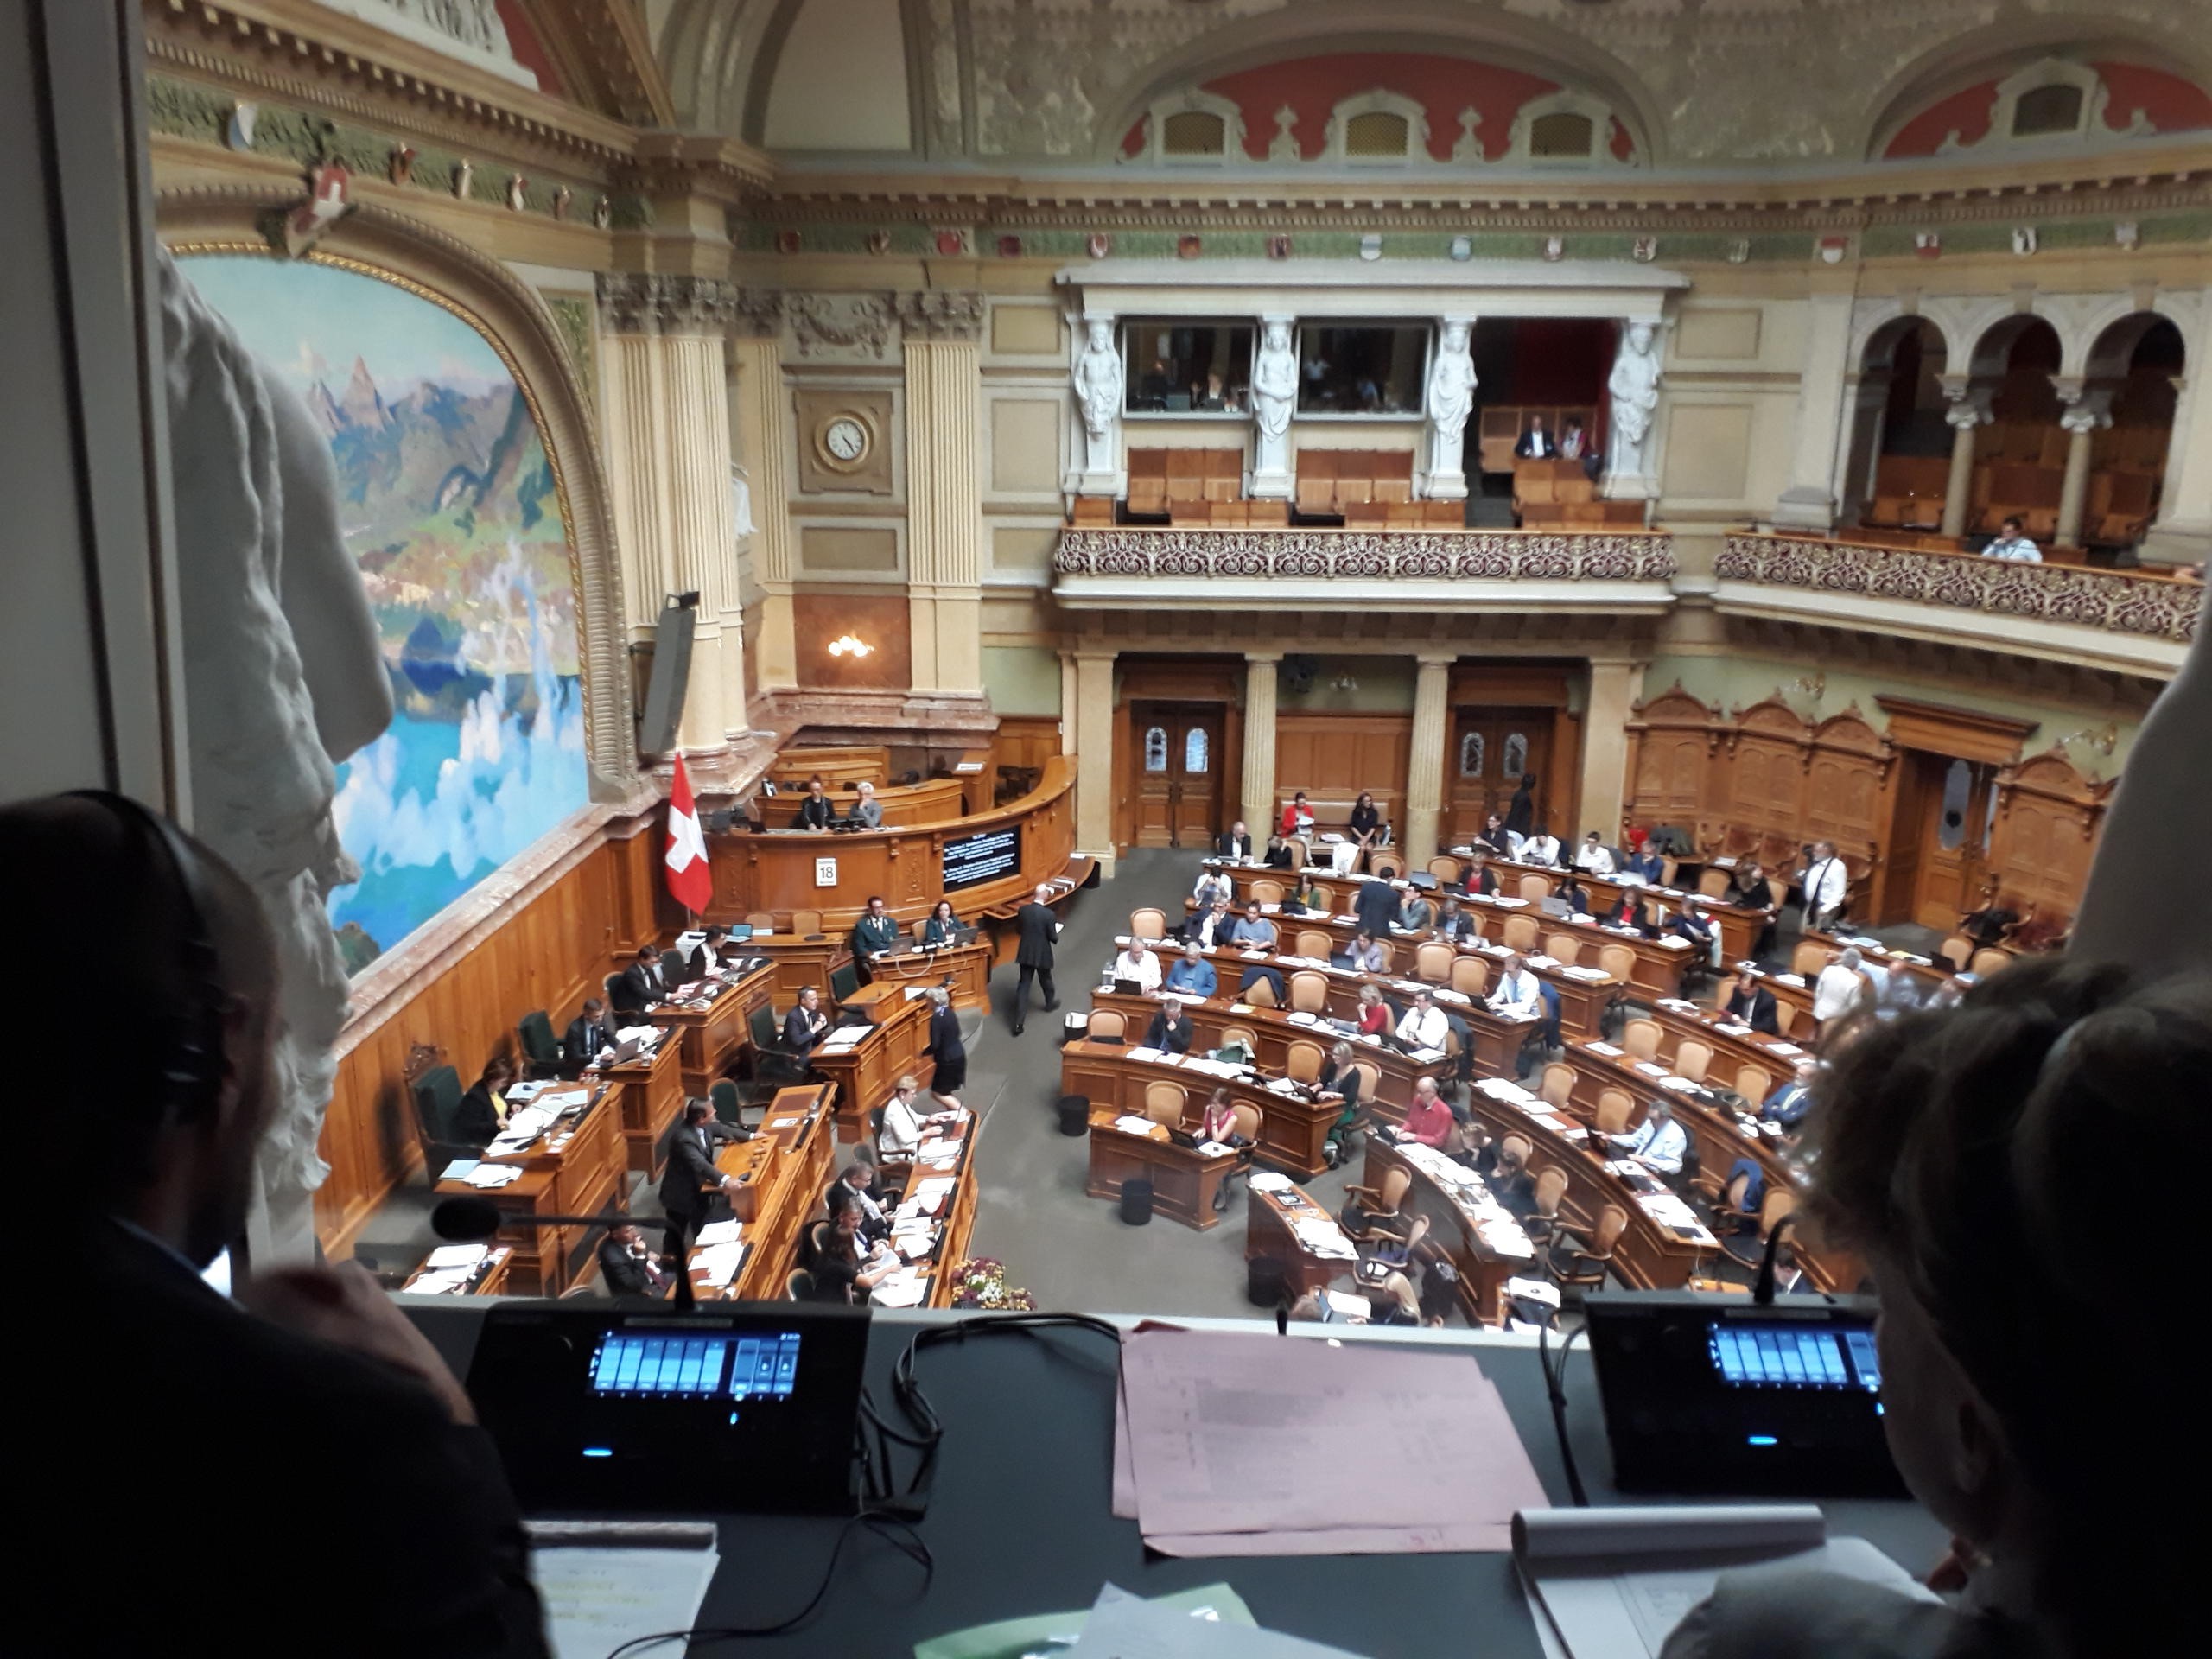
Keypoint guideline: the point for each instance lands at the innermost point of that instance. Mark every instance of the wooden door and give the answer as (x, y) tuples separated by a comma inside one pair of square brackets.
[(1178, 796), (1945, 861), (1490, 749)]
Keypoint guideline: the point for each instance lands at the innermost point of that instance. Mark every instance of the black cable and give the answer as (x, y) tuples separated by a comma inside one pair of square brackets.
[(1556, 1386)]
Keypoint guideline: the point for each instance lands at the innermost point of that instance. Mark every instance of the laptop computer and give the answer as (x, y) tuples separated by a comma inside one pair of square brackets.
[(1183, 1138), (1128, 988)]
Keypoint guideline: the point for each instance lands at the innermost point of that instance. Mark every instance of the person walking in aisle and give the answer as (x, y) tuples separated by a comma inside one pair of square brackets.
[(1037, 928)]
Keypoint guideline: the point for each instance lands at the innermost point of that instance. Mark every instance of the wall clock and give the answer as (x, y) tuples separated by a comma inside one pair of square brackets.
[(844, 442)]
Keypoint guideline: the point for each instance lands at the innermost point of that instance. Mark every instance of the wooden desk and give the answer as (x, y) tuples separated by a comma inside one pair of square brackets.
[(1292, 1128), (934, 800), (714, 1032), (1270, 1229), (786, 1168), (1927, 975), (800, 962), (578, 1172), (956, 1220), (489, 1280), (865, 1073), (651, 1092), (776, 871), (968, 967), (1485, 1244), (1733, 1047), (1740, 926), (1183, 1180)]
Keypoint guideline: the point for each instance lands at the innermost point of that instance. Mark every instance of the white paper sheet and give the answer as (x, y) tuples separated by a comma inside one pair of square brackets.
[(597, 1599)]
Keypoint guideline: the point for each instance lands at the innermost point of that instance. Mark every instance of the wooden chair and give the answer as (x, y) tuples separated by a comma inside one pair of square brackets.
[(1297, 849), (1564, 948), (1988, 961), (1542, 1224), (1693, 1059), (759, 921), (1520, 932), (1385, 865), (1163, 1103), (1261, 994), (1558, 1086), (1309, 991), (1536, 889), (1958, 950), (1808, 958), (1641, 1039), (1585, 1267), (1148, 924), (1713, 884), (1108, 1023), (806, 923), (1617, 960), (1785, 1016), (1615, 1107), (1311, 943), (1433, 962), (1240, 1037), (1362, 1121), (1266, 893), (1470, 974), (1303, 1063), (1389, 955), (1752, 1084), (1445, 869), (798, 1286), (1749, 1249), (1383, 1201)]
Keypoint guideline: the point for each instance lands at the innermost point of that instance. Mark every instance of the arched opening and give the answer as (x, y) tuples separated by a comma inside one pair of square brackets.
[(1901, 443), (2019, 457), (2139, 357)]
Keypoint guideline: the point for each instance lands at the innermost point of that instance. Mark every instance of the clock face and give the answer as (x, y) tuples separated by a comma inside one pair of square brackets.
[(845, 438)]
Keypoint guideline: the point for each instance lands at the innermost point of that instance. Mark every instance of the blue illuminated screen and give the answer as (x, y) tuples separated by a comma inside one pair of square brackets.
[(683, 1365), (1794, 1356)]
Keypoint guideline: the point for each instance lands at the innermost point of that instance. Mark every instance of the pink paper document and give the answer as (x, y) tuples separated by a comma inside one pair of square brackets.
[(1260, 1445)]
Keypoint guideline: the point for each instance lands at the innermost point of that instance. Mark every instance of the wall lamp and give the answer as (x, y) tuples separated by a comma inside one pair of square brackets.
[(2104, 742), (847, 645)]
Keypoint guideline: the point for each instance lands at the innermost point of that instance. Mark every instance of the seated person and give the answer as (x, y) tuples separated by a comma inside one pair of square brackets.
[(484, 1108), (1424, 1026), (1298, 817), (1236, 842), (1171, 1030), (1789, 1105), (1217, 1125), (1366, 823), (859, 1178), (1593, 855), (805, 1025), (1629, 911), (2011, 543), (1365, 956), (868, 812), (1137, 964), (1212, 885), (1541, 848), (1645, 864), (1192, 973), (640, 985), (1690, 922), (1658, 1142), (1337, 1077), (627, 1265), (874, 934), (816, 811), (1480, 877), (1572, 894), (1278, 856), (841, 1273), (1253, 931), (1519, 995), (1373, 1010), (1984, 1394), (590, 1034), (705, 958), (1751, 1004), (1495, 839), (1428, 1119), (1747, 885), (1988, 926), (1307, 897), (1415, 913), (1454, 925), (1211, 926), (902, 1122), (1513, 1186), (943, 926)]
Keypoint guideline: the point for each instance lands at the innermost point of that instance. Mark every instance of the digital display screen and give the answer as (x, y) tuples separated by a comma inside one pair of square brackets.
[(681, 1365), (1794, 1356), (982, 857)]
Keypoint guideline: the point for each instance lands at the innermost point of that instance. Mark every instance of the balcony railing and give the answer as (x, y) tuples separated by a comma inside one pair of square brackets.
[(1232, 553), (2052, 599)]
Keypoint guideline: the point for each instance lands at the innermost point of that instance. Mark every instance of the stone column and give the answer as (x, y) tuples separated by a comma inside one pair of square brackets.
[(1859, 446), (668, 452), (1632, 428), (1810, 501), (2086, 408), (1258, 809), (1425, 757), (2183, 533), (765, 442), (945, 491), (1614, 687), (1970, 408), (1094, 751), (1070, 703)]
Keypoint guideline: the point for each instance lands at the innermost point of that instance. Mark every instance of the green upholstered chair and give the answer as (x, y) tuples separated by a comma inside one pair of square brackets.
[(845, 982), (774, 1066), (541, 1051), (437, 1114)]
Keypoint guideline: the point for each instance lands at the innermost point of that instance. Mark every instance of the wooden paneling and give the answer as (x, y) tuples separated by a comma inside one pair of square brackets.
[(2048, 817), (878, 620), (1024, 740), (1333, 757)]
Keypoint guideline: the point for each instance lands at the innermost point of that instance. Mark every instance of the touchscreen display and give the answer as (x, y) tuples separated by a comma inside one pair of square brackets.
[(1781, 1356), (680, 1365)]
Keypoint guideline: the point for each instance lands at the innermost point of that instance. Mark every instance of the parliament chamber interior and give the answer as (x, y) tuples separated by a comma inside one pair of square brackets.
[(1246, 668)]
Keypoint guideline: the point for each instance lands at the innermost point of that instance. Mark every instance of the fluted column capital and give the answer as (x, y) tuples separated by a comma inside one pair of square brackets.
[(936, 314), (665, 302)]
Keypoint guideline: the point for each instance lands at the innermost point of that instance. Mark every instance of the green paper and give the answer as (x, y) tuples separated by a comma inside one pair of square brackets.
[(1011, 1638)]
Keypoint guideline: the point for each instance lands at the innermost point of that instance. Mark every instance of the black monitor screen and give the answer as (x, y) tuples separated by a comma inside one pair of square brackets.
[(982, 857)]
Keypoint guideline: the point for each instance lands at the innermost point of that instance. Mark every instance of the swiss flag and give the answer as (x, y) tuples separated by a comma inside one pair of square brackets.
[(688, 879)]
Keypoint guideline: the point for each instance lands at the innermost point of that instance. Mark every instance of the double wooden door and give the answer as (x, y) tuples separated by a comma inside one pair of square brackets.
[(1177, 794), (1938, 851), (1490, 750)]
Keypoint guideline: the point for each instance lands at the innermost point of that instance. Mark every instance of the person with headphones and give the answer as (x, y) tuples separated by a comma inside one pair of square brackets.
[(313, 1377)]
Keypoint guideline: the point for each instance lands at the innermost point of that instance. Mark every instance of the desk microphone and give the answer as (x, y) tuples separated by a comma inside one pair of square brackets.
[(467, 1220)]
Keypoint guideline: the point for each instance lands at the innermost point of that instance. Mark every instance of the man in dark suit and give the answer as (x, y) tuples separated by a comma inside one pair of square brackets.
[(1171, 1028), (318, 1370), (1789, 1105), (875, 932), (1235, 843), (1376, 904), (689, 1188), (817, 811), (805, 1025), (626, 1267), (1751, 1004), (1037, 928), (587, 1033), (1535, 444), (640, 984)]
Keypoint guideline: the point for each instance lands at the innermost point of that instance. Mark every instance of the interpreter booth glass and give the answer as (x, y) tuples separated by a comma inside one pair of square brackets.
[(1177, 366), (1362, 369)]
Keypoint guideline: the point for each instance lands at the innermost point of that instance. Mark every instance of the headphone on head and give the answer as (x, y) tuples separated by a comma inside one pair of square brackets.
[(189, 1066)]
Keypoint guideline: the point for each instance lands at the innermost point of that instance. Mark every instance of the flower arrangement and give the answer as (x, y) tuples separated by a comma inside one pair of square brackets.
[(981, 1282)]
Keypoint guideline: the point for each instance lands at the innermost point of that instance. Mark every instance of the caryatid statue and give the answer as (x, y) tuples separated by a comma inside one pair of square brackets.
[(1634, 384), (1450, 400), (1275, 395), (1098, 387)]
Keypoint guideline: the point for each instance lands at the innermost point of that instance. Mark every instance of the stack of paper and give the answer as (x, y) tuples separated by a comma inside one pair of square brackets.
[(446, 1282), (1319, 1235), (904, 1288), (490, 1175), (608, 1585), (1235, 1444), (457, 1256), (718, 1232), (718, 1263)]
